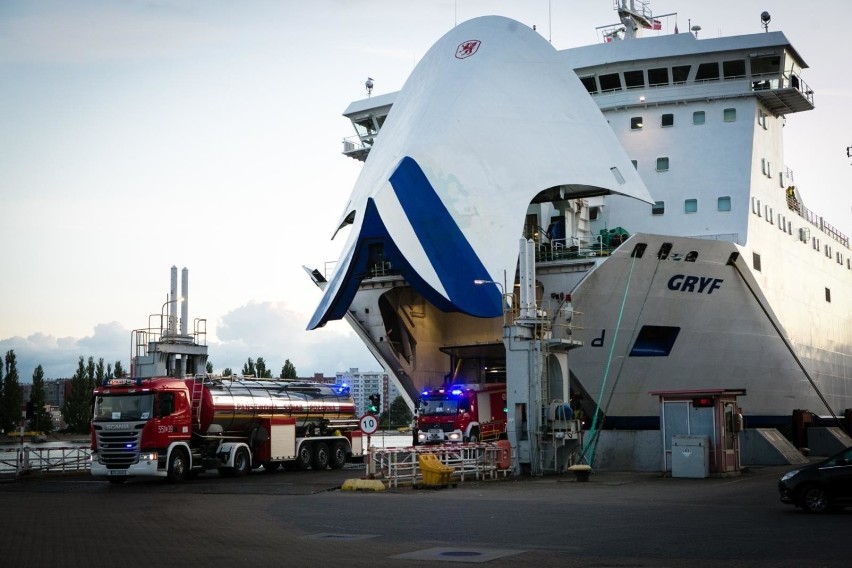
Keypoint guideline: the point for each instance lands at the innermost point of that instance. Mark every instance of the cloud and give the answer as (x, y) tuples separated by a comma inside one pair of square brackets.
[(270, 330), (87, 32), (276, 332), (58, 356)]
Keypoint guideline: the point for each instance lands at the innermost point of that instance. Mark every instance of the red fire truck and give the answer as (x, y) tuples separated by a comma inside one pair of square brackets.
[(461, 413), (179, 427), (170, 420)]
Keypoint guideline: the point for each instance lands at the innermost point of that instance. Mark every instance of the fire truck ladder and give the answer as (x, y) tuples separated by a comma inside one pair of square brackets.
[(195, 402)]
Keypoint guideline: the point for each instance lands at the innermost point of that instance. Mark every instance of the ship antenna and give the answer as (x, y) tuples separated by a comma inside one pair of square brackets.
[(764, 20)]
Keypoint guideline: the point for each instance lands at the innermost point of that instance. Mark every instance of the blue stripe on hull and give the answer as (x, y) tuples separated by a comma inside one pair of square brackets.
[(453, 258)]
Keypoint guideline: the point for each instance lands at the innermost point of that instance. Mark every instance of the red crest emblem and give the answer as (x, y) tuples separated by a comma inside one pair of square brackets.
[(467, 48)]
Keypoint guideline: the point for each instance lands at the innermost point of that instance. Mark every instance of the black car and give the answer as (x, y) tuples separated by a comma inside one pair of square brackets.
[(821, 486)]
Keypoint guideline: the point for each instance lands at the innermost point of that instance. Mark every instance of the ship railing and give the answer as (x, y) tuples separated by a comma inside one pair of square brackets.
[(400, 466), (572, 248), (816, 220), (772, 82), (353, 144), (555, 318), (15, 462)]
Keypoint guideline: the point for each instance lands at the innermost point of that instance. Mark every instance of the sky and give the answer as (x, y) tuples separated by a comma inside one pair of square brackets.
[(140, 135)]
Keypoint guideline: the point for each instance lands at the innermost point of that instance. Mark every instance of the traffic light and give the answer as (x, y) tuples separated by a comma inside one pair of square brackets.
[(375, 404)]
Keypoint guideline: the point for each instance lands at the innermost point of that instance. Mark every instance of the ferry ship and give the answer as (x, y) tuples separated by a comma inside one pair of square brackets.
[(707, 272)]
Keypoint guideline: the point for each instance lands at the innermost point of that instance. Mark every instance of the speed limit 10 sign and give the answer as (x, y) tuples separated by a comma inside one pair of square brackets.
[(369, 424)]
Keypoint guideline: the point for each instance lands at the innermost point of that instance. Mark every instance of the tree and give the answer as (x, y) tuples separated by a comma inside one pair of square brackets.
[(262, 371), (90, 368), (118, 371), (227, 372), (41, 420), (2, 402), (209, 368), (288, 371), (248, 368), (100, 372), (399, 413), (77, 409), (12, 398)]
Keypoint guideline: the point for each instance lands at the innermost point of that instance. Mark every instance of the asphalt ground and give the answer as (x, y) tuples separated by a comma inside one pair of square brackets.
[(303, 519)]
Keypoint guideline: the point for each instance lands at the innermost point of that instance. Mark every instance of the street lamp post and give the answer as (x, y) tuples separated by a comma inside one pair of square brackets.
[(163, 315), (503, 299)]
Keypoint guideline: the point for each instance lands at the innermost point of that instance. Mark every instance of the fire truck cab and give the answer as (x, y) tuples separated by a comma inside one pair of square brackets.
[(461, 413)]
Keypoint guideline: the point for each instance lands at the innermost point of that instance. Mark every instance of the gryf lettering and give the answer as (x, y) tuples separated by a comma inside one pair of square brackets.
[(699, 284)]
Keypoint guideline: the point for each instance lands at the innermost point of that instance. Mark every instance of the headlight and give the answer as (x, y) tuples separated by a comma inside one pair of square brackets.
[(421, 437), (455, 437), (150, 456), (789, 475)]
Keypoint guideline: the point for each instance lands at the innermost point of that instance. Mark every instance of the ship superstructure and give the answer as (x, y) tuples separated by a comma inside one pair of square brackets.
[(726, 280)]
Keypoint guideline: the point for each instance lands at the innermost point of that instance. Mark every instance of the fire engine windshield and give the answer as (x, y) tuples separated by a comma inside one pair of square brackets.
[(124, 407), (437, 407)]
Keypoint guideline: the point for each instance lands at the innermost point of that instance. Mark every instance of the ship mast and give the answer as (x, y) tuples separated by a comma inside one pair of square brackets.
[(636, 16)]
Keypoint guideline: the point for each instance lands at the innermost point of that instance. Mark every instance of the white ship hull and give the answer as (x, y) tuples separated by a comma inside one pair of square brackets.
[(781, 342)]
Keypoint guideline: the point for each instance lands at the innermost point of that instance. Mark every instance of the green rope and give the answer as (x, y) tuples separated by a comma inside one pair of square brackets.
[(591, 443)]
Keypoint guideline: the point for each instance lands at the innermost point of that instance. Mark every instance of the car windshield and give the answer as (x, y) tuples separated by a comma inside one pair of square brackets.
[(843, 458), (436, 407), (124, 407)]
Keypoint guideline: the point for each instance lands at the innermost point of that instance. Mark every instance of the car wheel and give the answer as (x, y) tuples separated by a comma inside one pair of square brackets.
[(814, 499)]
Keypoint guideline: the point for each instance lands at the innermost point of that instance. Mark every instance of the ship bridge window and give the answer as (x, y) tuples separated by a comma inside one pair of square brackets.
[(658, 77), (707, 72), (730, 114), (664, 251), (828, 295), (667, 120), (680, 73), (698, 117), (765, 65), (658, 208), (636, 123), (634, 79), (610, 82), (365, 127), (654, 341), (690, 206), (723, 203), (639, 250), (663, 164), (734, 69), (590, 84), (691, 256), (755, 261)]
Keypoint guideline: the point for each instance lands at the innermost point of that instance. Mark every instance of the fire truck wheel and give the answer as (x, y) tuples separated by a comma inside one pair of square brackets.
[(303, 459), (474, 436), (242, 462), (338, 456), (178, 466), (321, 456)]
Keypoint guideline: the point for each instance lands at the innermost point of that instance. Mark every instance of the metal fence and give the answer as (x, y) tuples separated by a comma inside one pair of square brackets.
[(469, 462), (15, 462)]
